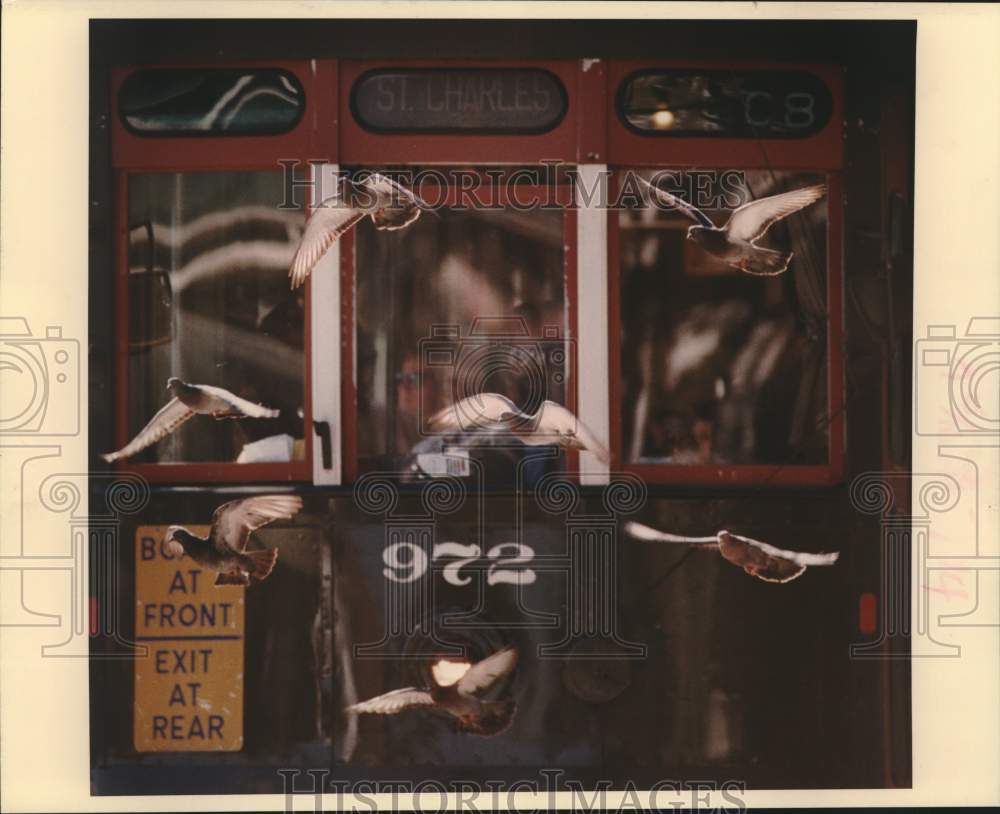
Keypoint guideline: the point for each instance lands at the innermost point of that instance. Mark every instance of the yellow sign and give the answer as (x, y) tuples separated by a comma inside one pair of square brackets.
[(189, 687)]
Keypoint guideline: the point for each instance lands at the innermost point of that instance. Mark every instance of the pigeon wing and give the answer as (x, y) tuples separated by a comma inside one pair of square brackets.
[(392, 702), (674, 202), (651, 535), (329, 221), (247, 408), (168, 419), (233, 521), (753, 219), (480, 410), (571, 431), (484, 674)]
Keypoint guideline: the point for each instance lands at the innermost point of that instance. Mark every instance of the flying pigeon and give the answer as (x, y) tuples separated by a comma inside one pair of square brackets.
[(188, 400), (550, 424), (758, 559), (736, 242), (388, 204), (224, 550), (459, 699)]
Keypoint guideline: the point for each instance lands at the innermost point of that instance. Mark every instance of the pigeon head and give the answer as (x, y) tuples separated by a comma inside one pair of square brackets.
[(696, 233), (173, 383), (173, 540)]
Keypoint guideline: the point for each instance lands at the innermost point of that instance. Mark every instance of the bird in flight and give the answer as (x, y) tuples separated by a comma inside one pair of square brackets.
[(460, 699), (758, 559), (189, 400), (736, 242), (388, 204), (224, 550), (551, 423)]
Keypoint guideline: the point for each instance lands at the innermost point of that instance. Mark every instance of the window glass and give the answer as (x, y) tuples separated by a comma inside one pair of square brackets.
[(210, 101), (719, 366), (209, 303), (463, 301)]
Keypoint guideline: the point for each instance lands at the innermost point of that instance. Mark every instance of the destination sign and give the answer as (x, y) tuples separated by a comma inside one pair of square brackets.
[(189, 688), (725, 104), (491, 100)]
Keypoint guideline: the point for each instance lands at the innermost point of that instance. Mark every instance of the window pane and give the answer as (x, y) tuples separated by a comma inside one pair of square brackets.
[(720, 366), (210, 304), (210, 101), (456, 304)]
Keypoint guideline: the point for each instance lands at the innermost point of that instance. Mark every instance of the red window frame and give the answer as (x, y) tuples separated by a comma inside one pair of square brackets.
[(133, 155), (359, 147), (821, 153), (450, 196)]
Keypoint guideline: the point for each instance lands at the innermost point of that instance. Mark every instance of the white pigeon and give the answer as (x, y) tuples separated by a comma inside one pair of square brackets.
[(550, 424), (757, 558), (459, 699), (736, 242), (388, 204), (189, 400)]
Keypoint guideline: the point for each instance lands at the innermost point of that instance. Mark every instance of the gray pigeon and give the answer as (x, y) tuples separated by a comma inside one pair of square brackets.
[(736, 242), (188, 400), (459, 700), (224, 550), (756, 558), (388, 204), (550, 424)]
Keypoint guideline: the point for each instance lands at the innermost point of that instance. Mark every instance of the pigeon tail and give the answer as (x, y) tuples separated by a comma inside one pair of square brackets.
[(110, 457), (263, 561), (232, 579), (764, 262)]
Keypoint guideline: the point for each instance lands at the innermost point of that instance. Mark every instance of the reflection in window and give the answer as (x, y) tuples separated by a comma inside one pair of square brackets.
[(220, 101), (718, 366), (466, 302), (210, 304)]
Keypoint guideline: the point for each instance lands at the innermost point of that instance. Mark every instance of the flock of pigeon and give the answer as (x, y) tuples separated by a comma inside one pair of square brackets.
[(392, 206)]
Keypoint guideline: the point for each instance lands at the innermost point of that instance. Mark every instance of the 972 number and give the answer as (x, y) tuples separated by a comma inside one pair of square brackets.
[(408, 562)]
